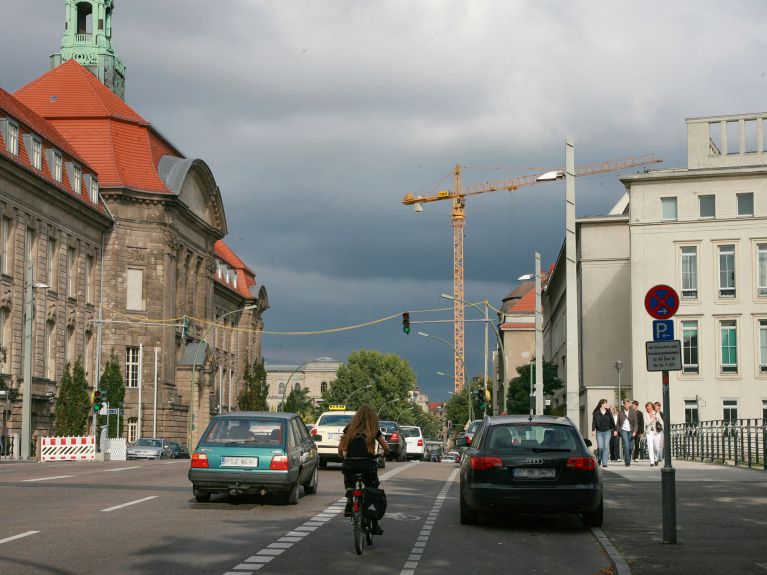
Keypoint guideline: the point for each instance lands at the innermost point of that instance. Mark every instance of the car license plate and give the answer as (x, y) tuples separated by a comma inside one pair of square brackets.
[(239, 462), (334, 435), (528, 473)]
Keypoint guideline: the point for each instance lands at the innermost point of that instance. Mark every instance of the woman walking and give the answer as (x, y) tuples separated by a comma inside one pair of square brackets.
[(615, 441), (650, 422), (603, 426)]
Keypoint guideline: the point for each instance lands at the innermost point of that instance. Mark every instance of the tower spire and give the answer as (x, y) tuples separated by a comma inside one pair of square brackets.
[(88, 39)]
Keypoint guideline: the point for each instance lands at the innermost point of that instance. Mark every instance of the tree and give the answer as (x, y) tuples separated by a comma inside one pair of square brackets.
[(518, 397), (255, 390), (298, 401), (72, 405), (112, 388), (458, 404)]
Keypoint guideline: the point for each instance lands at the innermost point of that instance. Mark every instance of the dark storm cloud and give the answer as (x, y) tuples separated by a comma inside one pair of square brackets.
[(317, 117)]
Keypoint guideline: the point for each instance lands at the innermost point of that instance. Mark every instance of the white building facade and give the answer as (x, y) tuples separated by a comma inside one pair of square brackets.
[(315, 376)]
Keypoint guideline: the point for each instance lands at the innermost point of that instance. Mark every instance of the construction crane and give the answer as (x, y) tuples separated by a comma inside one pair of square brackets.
[(458, 196)]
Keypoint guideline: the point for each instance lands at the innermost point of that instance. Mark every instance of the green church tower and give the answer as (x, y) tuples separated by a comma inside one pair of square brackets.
[(88, 39)]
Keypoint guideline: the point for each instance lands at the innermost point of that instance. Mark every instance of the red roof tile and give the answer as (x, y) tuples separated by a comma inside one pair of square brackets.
[(245, 278), (526, 303)]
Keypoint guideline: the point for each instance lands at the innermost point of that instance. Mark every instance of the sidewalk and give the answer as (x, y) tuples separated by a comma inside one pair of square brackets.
[(721, 515)]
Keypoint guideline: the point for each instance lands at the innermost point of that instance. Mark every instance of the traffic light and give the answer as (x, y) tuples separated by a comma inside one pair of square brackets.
[(406, 322), (97, 401), (185, 327)]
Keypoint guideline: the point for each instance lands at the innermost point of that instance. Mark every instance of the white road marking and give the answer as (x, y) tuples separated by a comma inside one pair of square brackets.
[(47, 478), (420, 545), (19, 536), (131, 503), (122, 469)]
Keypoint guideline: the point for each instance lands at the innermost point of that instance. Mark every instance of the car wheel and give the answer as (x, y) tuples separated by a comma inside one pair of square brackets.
[(469, 516), (310, 487), (202, 496), (323, 463), (292, 496), (594, 518)]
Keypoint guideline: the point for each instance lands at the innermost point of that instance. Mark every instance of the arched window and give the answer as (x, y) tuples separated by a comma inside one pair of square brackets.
[(323, 387)]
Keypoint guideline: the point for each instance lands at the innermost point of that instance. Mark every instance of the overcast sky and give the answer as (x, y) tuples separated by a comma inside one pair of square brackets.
[(317, 117)]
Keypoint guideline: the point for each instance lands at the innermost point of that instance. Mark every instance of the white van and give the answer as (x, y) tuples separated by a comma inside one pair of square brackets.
[(414, 441)]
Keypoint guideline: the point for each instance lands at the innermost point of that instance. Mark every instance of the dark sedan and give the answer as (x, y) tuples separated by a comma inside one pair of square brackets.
[(516, 463), (394, 439)]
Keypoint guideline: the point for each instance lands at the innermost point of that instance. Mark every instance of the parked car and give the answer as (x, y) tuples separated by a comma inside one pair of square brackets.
[(414, 441), (178, 451), (149, 448), (516, 463), (449, 458), (472, 429), (395, 439), (255, 452), (327, 433)]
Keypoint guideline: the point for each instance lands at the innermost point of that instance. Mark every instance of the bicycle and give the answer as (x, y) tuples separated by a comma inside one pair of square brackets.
[(363, 526)]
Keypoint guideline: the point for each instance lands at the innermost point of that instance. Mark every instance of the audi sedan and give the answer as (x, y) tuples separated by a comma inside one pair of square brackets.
[(538, 464)]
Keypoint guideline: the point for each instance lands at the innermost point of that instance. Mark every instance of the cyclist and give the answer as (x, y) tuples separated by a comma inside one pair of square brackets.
[(358, 448)]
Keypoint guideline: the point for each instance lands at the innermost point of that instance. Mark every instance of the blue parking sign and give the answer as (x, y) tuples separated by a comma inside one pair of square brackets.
[(663, 330)]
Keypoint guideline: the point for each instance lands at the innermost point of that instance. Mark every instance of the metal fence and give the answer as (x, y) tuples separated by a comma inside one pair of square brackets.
[(742, 441)]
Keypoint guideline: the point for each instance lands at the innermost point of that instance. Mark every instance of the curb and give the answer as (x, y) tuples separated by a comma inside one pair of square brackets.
[(621, 567)]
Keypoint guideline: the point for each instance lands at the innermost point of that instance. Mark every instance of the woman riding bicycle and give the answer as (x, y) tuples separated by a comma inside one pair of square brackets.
[(358, 448)]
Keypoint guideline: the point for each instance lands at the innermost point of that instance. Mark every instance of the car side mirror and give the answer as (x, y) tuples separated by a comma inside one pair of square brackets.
[(316, 438), (461, 442)]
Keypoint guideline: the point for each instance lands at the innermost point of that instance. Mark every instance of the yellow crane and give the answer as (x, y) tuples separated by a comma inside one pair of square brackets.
[(458, 195)]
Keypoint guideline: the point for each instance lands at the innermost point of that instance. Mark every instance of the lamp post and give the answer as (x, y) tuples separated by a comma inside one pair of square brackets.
[(619, 367), (424, 334), (496, 398), (411, 406), (539, 401), (346, 403), (26, 405), (292, 373), (194, 365), (380, 409)]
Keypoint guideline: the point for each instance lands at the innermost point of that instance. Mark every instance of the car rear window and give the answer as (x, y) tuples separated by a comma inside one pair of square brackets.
[(388, 426), (144, 442), (530, 437), (411, 432), (335, 419), (253, 431), (474, 426)]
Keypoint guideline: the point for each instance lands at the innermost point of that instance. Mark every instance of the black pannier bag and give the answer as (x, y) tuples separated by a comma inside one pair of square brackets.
[(374, 503)]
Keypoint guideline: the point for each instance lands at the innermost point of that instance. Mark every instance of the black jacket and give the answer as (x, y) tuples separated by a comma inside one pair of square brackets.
[(601, 422)]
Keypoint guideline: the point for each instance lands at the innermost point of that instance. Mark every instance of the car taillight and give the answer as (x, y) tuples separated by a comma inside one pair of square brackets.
[(582, 463), (200, 460), (420, 443), (394, 437), (314, 431), (468, 440), (480, 463), (279, 463)]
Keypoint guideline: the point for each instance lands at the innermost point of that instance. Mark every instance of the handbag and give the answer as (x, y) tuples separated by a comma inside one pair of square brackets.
[(374, 503), (658, 427)]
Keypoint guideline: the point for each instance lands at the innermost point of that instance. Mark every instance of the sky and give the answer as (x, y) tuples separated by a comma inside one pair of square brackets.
[(316, 117)]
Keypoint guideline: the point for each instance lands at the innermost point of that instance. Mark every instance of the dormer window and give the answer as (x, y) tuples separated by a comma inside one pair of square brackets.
[(55, 163), (37, 154), (94, 190), (234, 279), (77, 180), (12, 138), (219, 270)]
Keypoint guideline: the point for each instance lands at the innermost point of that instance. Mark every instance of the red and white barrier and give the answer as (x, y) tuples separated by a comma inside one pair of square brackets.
[(68, 448)]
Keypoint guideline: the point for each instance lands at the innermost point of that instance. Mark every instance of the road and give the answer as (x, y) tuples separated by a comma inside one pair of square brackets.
[(139, 517)]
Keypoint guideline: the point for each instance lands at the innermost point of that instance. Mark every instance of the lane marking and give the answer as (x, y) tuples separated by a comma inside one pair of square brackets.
[(131, 503), (19, 536), (420, 545), (293, 536), (121, 469), (47, 478), (621, 566)]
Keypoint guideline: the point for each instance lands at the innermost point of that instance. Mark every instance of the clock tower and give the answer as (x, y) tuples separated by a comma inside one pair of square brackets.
[(88, 40)]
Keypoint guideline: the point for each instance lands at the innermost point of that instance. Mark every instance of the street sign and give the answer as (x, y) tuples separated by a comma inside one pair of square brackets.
[(114, 411), (663, 330), (661, 301), (664, 355)]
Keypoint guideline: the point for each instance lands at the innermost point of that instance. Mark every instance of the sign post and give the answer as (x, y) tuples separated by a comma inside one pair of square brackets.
[(664, 354)]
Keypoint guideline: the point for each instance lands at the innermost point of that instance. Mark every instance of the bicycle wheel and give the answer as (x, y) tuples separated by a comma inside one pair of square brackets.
[(358, 532), (368, 528)]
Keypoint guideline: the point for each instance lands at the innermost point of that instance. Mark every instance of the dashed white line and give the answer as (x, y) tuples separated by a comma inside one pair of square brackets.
[(19, 536), (122, 468), (131, 503), (47, 478)]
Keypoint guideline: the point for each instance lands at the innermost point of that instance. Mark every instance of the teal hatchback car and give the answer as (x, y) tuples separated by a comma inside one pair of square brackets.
[(255, 452)]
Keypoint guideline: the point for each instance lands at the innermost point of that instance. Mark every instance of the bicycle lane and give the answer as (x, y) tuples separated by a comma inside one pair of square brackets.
[(325, 543)]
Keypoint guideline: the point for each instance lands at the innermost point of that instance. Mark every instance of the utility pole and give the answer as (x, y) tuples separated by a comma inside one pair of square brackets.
[(571, 297), (26, 405), (538, 338)]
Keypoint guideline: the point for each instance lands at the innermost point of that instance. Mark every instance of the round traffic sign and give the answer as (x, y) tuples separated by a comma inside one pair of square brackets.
[(661, 301)]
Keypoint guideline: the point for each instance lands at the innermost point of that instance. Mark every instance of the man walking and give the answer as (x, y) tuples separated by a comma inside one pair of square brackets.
[(640, 428), (627, 424)]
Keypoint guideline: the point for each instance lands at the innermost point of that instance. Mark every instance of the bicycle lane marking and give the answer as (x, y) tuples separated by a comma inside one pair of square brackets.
[(423, 538), (278, 547)]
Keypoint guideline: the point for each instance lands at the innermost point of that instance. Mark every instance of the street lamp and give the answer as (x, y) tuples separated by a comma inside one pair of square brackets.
[(194, 365), (411, 406), (346, 403), (424, 334), (287, 383), (539, 401), (619, 367), (380, 409)]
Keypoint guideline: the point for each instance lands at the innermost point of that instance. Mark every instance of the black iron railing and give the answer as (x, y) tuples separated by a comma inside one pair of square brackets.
[(741, 441)]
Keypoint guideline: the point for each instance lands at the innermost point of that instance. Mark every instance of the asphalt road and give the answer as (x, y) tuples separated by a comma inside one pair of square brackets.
[(140, 517)]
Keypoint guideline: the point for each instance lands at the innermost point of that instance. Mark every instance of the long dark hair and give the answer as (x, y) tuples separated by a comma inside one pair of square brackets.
[(364, 423), (600, 402)]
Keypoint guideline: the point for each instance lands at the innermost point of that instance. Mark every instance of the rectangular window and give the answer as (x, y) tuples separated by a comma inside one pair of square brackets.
[(12, 145), (689, 272), (746, 204), (691, 412), (668, 208), (71, 272), (77, 180), (53, 263), (727, 271), (131, 366), (761, 264), (135, 286), (94, 191), (90, 266), (730, 410), (764, 409), (3, 318), (729, 339), (5, 244), (50, 350), (37, 154), (690, 346), (763, 345), (132, 429), (707, 206), (56, 167)]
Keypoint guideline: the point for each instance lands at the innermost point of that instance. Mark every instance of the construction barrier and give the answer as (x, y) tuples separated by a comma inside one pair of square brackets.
[(68, 448), (116, 449)]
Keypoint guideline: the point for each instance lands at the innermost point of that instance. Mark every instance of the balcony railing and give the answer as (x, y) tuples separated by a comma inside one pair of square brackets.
[(83, 38), (741, 442)]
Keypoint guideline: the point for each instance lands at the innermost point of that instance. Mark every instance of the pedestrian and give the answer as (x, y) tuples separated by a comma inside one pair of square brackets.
[(640, 430), (615, 441), (627, 425), (602, 427), (650, 430), (659, 430)]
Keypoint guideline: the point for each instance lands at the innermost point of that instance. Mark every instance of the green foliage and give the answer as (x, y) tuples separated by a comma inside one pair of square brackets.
[(458, 405), (112, 386), (255, 390), (518, 396), (73, 403), (298, 401)]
